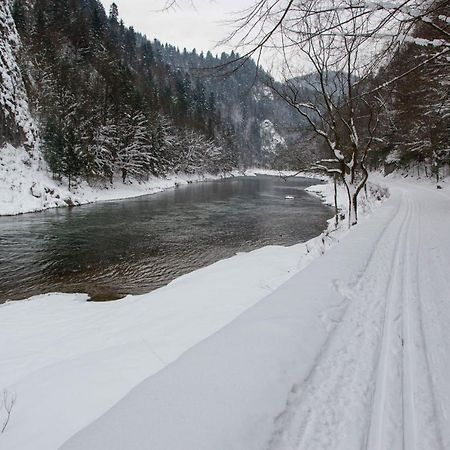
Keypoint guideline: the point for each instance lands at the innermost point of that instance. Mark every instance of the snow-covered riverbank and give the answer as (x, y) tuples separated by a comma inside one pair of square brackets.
[(26, 185)]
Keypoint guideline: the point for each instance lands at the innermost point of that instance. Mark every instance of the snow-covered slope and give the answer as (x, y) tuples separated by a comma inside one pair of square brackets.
[(24, 182), (16, 125), (26, 185), (272, 143), (350, 353)]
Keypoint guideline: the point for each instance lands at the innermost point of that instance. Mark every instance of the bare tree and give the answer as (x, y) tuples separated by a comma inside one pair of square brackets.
[(331, 41), (337, 110), (281, 24)]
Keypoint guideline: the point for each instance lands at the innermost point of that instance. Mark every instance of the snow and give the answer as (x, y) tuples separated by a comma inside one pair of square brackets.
[(393, 157), (253, 172), (425, 42), (27, 186), (262, 92), (271, 141)]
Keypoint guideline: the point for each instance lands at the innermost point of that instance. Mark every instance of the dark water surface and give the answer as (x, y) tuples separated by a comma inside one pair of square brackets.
[(136, 245)]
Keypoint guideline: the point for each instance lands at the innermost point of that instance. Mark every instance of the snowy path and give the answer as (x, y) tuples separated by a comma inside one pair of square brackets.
[(376, 383)]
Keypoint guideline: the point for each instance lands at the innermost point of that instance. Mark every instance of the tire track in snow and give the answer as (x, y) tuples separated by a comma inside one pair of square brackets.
[(386, 407), (371, 386), (419, 421), (422, 431), (408, 360), (330, 408)]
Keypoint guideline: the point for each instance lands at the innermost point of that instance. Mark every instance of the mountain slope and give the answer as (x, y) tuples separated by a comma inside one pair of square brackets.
[(113, 108), (109, 101), (16, 125)]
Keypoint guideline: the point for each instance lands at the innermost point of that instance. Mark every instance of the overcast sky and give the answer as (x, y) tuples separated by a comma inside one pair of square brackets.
[(200, 26)]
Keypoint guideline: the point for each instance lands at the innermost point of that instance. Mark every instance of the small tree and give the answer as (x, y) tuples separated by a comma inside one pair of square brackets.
[(72, 163), (335, 98)]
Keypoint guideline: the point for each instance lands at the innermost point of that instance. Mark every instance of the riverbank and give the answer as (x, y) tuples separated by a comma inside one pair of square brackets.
[(27, 186), (68, 360)]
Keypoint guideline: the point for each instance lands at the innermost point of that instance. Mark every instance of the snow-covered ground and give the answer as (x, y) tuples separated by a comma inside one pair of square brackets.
[(339, 349), (27, 186)]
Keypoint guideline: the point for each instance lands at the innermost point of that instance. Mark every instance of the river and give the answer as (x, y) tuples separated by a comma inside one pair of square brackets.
[(133, 246)]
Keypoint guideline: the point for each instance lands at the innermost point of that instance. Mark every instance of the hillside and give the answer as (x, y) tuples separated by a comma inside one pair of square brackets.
[(109, 100), (16, 125), (96, 104)]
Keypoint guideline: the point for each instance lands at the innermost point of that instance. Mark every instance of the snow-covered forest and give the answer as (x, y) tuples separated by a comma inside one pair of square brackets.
[(108, 100)]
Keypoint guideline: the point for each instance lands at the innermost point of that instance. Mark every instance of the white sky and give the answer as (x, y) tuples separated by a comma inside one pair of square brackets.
[(198, 24)]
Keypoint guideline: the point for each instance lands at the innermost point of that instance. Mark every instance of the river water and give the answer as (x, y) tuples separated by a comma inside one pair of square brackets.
[(133, 246)]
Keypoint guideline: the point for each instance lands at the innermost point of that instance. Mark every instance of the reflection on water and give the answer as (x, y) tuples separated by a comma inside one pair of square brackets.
[(133, 246)]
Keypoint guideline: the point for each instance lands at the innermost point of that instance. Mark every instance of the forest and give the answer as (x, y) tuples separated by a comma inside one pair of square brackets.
[(109, 101)]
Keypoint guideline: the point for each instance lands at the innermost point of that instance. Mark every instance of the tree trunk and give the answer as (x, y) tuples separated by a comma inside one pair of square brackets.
[(336, 211), (350, 201)]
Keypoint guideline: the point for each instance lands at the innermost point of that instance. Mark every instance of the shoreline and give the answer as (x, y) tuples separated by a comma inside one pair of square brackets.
[(27, 187)]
